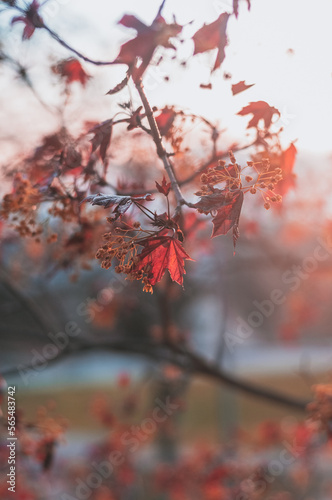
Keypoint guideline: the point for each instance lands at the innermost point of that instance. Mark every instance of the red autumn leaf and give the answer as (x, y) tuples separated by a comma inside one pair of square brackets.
[(147, 40), (71, 70), (207, 86), (225, 212), (287, 164), (161, 253), (131, 21), (71, 158), (240, 87), (260, 110), (213, 36), (135, 119), (228, 217), (31, 19), (102, 137), (211, 202), (236, 7), (120, 203), (165, 120), (164, 187)]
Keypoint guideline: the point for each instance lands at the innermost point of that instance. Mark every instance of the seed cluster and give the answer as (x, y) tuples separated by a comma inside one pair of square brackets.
[(261, 179), (20, 208), (65, 209), (122, 245)]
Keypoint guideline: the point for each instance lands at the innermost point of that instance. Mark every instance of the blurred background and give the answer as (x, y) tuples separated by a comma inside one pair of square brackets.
[(83, 346)]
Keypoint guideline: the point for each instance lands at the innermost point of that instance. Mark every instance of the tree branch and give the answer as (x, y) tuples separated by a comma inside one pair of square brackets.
[(155, 132), (184, 359), (74, 51), (27, 303)]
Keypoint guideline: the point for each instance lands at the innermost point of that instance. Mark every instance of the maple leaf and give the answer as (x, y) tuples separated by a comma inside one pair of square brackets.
[(285, 160), (225, 212), (31, 19), (120, 203), (164, 187), (102, 137), (72, 71), (147, 40), (207, 86), (288, 158), (228, 217), (165, 120), (261, 110), (236, 7), (240, 87), (161, 253), (213, 36)]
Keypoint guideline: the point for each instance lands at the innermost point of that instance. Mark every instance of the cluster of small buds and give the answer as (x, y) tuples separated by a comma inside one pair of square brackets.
[(65, 209), (320, 409), (20, 208), (122, 245), (261, 179), (229, 175)]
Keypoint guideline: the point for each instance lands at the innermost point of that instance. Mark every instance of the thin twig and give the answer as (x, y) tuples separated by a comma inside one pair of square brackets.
[(155, 132), (74, 51)]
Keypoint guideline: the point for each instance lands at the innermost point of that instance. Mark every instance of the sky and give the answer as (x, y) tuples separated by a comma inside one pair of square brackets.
[(298, 81)]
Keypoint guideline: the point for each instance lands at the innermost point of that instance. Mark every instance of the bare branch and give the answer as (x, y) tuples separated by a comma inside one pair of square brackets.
[(184, 359)]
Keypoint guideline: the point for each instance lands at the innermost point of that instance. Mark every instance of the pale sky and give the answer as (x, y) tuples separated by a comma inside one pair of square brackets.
[(298, 84)]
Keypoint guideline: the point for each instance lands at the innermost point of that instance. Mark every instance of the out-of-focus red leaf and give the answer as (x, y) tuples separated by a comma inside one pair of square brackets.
[(213, 36), (147, 40), (228, 217), (287, 165), (165, 120), (161, 253), (207, 86), (71, 158), (240, 87), (236, 7), (285, 160), (31, 19), (260, 110), (131, 21), (71, 70), (164, 187), (102, 137)]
